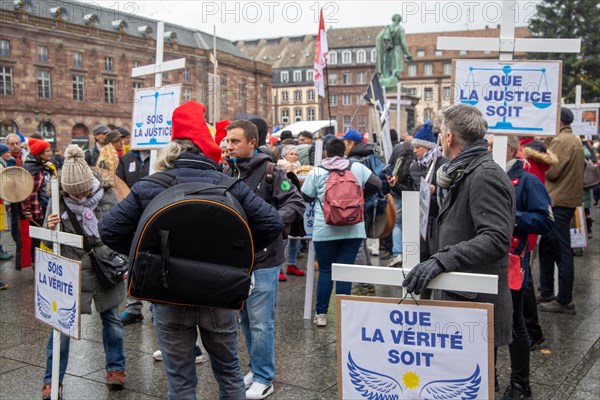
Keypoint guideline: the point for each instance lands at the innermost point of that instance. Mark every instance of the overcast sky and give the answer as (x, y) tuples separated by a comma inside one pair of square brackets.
[(261, 19)]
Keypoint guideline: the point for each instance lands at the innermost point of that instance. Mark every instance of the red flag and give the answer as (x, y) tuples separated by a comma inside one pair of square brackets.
[(321, 53)]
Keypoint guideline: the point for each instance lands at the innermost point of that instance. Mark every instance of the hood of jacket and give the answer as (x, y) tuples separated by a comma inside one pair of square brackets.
[(243, 167), (361, 150), (32, 165), (548, 158)]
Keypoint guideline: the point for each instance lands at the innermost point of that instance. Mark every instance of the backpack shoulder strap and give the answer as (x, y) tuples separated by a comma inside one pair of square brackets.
[(164, 179)]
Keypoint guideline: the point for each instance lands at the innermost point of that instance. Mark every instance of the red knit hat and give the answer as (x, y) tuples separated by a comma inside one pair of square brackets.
[(37, 146), (189, 123)]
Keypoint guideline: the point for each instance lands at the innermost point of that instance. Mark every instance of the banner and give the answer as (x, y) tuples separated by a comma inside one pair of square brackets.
[(57, 292), (433, 350), (152, 112), (516, 97), (321, 53)]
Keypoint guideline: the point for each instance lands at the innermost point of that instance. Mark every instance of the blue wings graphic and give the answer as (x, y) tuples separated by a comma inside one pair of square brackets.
[(373, 385), (463, 389), (66, 316), (44, 306)]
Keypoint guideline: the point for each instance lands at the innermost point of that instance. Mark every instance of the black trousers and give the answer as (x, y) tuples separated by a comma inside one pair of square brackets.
[(15, 231), (519, 348), (534, 330)]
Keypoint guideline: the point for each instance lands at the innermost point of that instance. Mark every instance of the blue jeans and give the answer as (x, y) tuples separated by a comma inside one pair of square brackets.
[(112, 338), (176, 332), (397, 231), (342, 251), (293, 251), (258, 324)]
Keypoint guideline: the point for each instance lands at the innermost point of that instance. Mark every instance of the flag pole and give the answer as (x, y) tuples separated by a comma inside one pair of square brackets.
[(327, 95)]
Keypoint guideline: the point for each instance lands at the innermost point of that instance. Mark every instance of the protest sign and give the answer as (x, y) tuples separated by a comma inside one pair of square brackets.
[(578, 229), (57, 292), (516, 97), (424, 202), (585, 122), (152, 112), (431, 350)]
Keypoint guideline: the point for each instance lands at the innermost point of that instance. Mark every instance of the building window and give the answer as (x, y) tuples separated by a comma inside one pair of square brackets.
[(42, 54), (109, 91), (347, 100), (285, 96), (346, 57), (297, 95), (48, 132), (297, 76), (186, 74), (428, 94), (310, 95), (333, 99), (285, 116), (447, 93), (77, 59), (412, 70), (108, 64), (439, 53), (447, 69), (347, 79), (332, 59), (420, 53), (359, 98), (373, 55), (411, 91), (6, 86), (428, 69), (361, 57), (137, 64), (428, 114), (78, 88), (297, 115), (347, 119), (138, 85), (332, 79), (165, 75), (360, 78), (310, 75), (463, 52), (4, 48), (43, 83), (284, 76), (187, 94), (310, 114)]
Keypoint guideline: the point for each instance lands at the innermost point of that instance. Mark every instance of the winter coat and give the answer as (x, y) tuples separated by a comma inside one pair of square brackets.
[(118, 226), (538, 159), (361, 150), (587, 194), (37, 202), (418, 171), (104, 299), (91, 155), (564, 180), (281, 193), (405, 152), (132, 168), (474, 229)]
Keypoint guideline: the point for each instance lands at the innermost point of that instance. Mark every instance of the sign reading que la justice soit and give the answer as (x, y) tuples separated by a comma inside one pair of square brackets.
[(433, 350), (516, 97)]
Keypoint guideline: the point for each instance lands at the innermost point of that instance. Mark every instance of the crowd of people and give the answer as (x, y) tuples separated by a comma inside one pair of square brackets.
[(482, 219)]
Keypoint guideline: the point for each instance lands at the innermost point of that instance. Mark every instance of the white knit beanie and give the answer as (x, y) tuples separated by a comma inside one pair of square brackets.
[(76, 177)]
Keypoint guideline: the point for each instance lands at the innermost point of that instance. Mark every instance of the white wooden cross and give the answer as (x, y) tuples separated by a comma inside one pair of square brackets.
[(507, 45), (157, 69), (57, 238)]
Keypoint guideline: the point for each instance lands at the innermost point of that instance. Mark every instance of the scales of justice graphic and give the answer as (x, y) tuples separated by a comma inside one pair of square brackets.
[(143, 115), (539, 99)]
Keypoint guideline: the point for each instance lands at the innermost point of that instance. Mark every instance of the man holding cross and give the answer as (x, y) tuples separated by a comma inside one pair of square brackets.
[(476, 217)]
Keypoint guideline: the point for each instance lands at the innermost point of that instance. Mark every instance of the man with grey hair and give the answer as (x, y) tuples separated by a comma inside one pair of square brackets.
[(92, 154), (476, 218)]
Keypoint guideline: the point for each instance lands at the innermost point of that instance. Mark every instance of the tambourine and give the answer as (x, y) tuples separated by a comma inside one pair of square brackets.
[(16, 184)]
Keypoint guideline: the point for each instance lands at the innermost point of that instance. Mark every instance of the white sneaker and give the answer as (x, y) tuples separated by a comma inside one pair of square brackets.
[(396, 262), (157, 356), (248, 379), (259, 391), (320, 320)]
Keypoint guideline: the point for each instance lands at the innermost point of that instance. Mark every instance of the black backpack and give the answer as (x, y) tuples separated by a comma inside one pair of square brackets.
[(192, 247)]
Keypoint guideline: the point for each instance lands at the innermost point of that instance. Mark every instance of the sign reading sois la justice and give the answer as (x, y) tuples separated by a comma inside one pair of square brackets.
[(152, 112), (516, 97), (433, 350)]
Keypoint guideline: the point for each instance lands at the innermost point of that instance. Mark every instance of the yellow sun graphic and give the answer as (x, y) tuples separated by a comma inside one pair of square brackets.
[(411, 380), (54, 306)]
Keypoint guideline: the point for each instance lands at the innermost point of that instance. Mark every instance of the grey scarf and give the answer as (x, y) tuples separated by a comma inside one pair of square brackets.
[(84, 210), (454, 170)]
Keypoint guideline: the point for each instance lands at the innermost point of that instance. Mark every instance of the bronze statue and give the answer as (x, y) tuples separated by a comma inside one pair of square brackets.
[(391, 52)]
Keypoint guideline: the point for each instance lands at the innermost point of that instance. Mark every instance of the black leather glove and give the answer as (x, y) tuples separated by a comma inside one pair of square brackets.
[(421, 275)]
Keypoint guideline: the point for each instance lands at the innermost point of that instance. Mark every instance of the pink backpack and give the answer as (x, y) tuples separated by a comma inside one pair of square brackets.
[(343, 203)]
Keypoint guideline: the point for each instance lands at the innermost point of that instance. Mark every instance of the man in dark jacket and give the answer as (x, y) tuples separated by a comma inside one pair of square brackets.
[(476, 218), (92, 154), (192, 156), (258, 315), (133, 166)]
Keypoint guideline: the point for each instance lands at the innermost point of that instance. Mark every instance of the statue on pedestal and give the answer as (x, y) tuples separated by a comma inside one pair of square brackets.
[(392, 51)]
